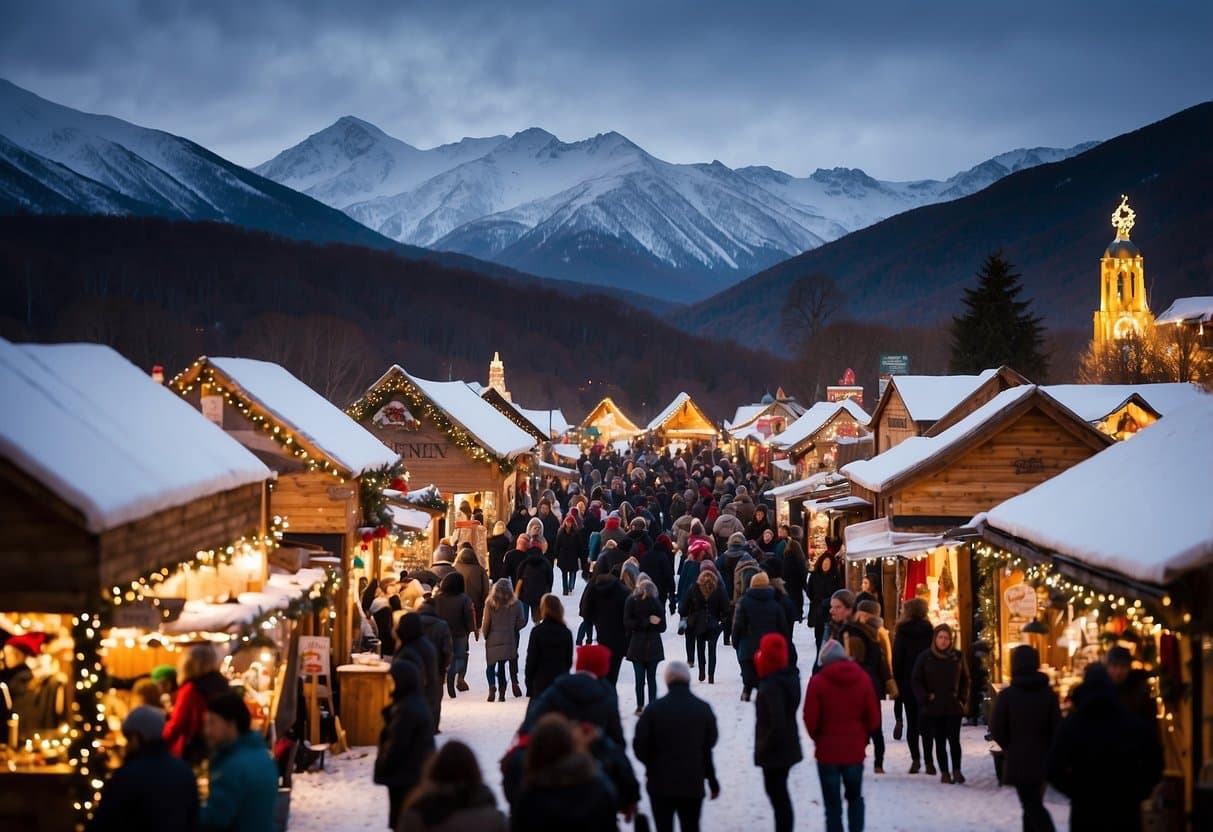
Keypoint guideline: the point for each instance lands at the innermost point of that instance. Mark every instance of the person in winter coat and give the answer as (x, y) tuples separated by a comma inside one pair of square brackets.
[(443, 563), (511, 565), (658, 564), (757, 614), (612, 529), (562, 787), (825, 579), (451, 796), (185, 730), (868, 590), (549, 652), (153, 791), (438, 633), (498, 544), (776, 737), (743, 505), (585, 695), (674, 739), (688, 573), (840, 713), (1132, 684), (518, 520), (726, 525), (570, 555), (644, 620), (1025, 719), (867, 642), (726, 564), (705, 610), (415, 647), (743, 574), (603, 605), (407, 738), (1105, 758), (758, 524), (697, 532), (476, 581), (534, 582), (795, 569), (911, 639), (503, 620), (941, 684), (243, 776), (453, 606)]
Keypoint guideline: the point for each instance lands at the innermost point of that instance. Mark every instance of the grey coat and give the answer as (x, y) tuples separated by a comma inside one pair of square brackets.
[(501, 622)]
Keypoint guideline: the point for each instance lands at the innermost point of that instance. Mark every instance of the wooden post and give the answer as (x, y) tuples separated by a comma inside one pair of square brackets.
[(964, 592)]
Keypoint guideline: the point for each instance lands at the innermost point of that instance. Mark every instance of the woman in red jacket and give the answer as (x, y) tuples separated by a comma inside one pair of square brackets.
[(840, 712), (203, 682)]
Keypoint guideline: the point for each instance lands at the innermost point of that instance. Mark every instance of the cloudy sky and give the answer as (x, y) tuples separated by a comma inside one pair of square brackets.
[(902, 89)]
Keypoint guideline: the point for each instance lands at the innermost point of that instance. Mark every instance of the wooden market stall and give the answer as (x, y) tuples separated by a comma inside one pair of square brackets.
[(753, 425), (449, 436), (682, 423), (1118, 550), (606, 423), (1018, 439), (1120, 410), (331, 471), (811, 443), (109, 481), (913, 405)]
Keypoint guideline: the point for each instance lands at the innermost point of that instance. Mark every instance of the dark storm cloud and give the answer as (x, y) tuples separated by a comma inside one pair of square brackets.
[(901, 89)]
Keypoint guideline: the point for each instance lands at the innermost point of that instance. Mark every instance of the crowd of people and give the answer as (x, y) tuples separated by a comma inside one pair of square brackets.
[(650, 540)]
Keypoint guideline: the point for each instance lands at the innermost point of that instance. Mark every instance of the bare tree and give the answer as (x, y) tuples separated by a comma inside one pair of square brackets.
[(812, 300)]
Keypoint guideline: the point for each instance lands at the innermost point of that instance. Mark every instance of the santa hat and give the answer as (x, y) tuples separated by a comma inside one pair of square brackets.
[(772, 655), (30, 643), (594, 659)]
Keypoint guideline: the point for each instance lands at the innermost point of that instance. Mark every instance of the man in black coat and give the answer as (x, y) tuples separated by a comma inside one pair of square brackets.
[(776, 733), (658, 564), (416, 648), (757, 613), (153, 790), (674, 739), (407, 738), (551, 525), (518, 520), (602, 604), (795, 570), (513, 559), (1104, 758), (1026, 716), (438, 632)]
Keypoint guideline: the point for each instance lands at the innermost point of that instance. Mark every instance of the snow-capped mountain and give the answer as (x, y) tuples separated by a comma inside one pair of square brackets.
[(54, 159), (603, 210)]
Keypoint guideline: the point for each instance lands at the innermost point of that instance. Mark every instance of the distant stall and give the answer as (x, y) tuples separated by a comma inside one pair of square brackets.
[(811, 442), (682, 423), (606, 424)]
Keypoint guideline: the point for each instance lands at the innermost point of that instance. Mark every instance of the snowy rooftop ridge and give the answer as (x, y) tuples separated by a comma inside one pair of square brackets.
[(813, 420), (1095, 402), (308, 414), (670, 409), (1059, 515), (1192, 310), (546, 420), (106, 439), (930, 398), (877, 473)]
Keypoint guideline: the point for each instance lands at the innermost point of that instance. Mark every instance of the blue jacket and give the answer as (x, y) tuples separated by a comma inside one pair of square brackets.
[(244, 787)]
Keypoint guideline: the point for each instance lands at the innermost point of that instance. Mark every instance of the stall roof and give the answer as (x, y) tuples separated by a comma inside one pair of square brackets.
[(1140, 508), (929, 398), (566, 451), (106, 439), (307, 413), (671, 410), (1095, 402), (917, 452), (785, 465), (1188, 310), (280, 590), (814, 419), (542, 419), (607, 407), (876, 539), (410, 518), (460, 403), (838, 503), (559, 470), (747, 413), (806, 485)]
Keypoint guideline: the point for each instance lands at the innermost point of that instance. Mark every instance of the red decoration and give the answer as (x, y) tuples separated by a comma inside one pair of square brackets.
[(364, 547), (367, 537), (381, 532), (399, 484)]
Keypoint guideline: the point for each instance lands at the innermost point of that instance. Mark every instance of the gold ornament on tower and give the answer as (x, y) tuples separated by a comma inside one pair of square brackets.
[(1123, 308)]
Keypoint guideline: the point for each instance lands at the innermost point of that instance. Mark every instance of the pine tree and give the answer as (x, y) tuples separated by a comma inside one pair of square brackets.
[(997, 328)]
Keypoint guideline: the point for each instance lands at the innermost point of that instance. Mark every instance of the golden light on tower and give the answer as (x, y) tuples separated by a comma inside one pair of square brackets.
[(1123, 218), (1123, 309)]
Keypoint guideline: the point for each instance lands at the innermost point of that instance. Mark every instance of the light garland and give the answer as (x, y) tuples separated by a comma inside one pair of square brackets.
[(373, 399), (185, 381)]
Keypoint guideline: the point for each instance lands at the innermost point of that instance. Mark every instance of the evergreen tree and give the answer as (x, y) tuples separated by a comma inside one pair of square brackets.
[(997, 328)]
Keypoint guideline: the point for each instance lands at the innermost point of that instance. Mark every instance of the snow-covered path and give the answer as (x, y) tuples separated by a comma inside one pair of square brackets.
[(343, 797)]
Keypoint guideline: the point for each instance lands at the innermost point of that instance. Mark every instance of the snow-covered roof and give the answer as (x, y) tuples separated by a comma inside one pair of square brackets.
[(566, 451), (106, 439), (806, 485), (608, 412), (1094, 402), (1188, 310), (880, 471), (307, 413), (813, 420), (410, 518), (672, 409), (1174, 456), (200, 616), (855, 409), (747, 413), (785, 465), (876, 539), (546, 420), (928, 398), (460, 403)]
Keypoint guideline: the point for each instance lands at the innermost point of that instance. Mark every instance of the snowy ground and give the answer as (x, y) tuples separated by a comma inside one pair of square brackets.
[(343, 797)]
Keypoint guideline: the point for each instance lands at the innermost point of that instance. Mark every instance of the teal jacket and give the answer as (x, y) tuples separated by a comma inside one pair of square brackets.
[(244, 788)]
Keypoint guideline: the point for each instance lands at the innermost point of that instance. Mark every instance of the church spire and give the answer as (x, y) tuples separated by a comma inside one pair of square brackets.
[(497, 376)]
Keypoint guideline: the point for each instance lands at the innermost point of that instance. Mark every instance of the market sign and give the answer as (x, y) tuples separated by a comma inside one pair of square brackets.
[(892, 364), (314, 655)]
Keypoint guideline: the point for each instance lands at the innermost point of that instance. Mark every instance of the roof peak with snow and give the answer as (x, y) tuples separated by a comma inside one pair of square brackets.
[(930, 398), (106, 439), (813, 420)]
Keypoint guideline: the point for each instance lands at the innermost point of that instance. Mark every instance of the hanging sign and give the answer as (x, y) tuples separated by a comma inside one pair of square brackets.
[(212, 409), (314, 655)]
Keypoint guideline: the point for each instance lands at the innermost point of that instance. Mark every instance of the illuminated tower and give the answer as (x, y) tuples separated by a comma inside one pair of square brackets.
[(1123, 310), (497, 376)]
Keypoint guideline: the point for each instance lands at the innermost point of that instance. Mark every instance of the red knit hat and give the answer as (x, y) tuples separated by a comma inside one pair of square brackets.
[(595, 659), (30, 643), (772, 655)]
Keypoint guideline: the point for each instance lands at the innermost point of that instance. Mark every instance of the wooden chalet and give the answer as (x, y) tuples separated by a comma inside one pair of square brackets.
[(327, 464), (107, 479), (1120, 410), (682, 421), (606, 423), (449, 436), (811, 443), (915, 405), (928, 485)]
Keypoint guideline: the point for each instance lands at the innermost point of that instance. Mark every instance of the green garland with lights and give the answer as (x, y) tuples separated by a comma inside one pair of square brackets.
[(199, 373), (375, 398), (372, 484)]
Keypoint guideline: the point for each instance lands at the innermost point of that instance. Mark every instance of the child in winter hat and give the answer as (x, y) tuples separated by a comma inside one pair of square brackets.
[(772, 655)]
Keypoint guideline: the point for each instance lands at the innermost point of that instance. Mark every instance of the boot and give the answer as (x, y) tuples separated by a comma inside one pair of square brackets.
[(930, 768), (492, 693), (897, 730), (878, 767), (915, 767), (702, 673), (516, 688), (711, 678), (958, 778), (945, 778), (745, 695), (501, 695), (461, 683), (450, 689)]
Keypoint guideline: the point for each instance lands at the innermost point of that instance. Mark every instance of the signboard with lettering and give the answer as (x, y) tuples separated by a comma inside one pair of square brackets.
[(212, 409), (892, 364), (314, 655)]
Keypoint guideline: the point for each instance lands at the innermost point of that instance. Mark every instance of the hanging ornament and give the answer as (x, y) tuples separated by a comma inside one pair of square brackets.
[(401, 485), (381, 532)]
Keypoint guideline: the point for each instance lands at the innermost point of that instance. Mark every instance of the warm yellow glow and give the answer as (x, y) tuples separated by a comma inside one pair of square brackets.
[(1123, 218)]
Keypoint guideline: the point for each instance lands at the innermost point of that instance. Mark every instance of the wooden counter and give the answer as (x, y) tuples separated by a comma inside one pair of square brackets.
[(365, 691), (36, 799)]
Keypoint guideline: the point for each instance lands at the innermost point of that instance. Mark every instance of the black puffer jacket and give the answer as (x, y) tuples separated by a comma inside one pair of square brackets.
[(581, 698), (407, 738), (757, 613), (416, 648), (534, 578), (658, 564), (498, 545), (570, 555), (476, 581), (821, 586), (705, 614), (457, 610), (911, 639), (1026, 716), (674, 739), (795, 575), (571, 794), (776, 732), (941, 683), (644, 637), (549, 654), (602, 604)]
